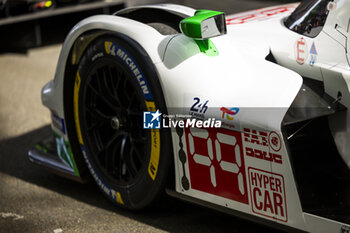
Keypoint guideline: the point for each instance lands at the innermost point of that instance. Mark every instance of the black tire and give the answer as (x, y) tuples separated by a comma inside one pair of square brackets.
[(163, 29), (130, 164)]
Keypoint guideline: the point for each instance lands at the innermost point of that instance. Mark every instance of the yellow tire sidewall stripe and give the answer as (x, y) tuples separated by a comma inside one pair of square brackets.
[(155, 145), (76, 107)]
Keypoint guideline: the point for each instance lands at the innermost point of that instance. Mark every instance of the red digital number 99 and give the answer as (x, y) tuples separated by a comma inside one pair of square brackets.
[(216, 162)]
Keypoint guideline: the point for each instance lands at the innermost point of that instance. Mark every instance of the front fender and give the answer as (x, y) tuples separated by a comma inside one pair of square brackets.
[(235, 78), (149, 38)]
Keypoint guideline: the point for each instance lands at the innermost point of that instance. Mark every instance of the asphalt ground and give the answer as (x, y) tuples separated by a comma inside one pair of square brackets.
[(33, 200)]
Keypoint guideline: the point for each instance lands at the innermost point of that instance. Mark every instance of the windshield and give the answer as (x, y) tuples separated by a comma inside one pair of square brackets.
[(309, 17)]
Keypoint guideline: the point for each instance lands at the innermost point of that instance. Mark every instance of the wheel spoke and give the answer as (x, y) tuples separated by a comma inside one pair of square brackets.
[(109, 87), (127, 158), (133, 113), (115, 137), (131, 100), (104, 99), (115, 83), (116, 161), (125, 89), (137, 152), (122, 159), (106, 146), (100, 118), (98, 115), (119, 149), (95, 125), (140, 140), (121, 171)]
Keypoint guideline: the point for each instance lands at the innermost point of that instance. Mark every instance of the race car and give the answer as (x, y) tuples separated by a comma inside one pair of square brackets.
[(245, 113), (10, 8)]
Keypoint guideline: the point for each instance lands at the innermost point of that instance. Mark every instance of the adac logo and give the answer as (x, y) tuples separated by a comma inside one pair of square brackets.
[(229, 113), (151, 120), (313, 54)]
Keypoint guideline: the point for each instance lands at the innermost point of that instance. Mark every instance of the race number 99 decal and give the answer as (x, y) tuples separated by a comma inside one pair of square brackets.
[(216, 163)]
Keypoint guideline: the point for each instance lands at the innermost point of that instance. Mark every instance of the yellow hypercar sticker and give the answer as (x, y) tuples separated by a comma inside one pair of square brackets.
[(155, 145), (76, 105)]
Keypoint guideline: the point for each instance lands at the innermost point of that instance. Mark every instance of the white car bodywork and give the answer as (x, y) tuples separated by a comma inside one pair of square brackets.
[(239, 77)]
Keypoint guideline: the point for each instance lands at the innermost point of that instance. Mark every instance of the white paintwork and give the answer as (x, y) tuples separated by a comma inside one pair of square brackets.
[(322, 225), (331, 64), (338, 21), (331, 67), (238, 77), (182, 11)]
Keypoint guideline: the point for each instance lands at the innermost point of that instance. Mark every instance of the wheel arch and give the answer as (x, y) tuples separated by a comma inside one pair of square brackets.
[(73, 49), (167, 14), (71, 67)]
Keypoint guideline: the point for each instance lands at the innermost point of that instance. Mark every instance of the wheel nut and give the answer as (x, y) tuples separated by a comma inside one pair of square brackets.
[(115, 123)]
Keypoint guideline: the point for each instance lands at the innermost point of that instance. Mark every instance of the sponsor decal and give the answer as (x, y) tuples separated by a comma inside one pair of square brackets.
[(260, 14), (62, 151), (216, 163), (257, 144), (199, 107), (275, 141), (65, 154), (301, 51), (313, 54), (43, 148), (255, 137), (261, 154), (58, 123), (110, 192), (97, 55), (117, 51), (268, 194), (228, 113)]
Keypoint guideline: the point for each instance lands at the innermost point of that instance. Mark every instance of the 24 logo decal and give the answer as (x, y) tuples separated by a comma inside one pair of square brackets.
[(198, 106)]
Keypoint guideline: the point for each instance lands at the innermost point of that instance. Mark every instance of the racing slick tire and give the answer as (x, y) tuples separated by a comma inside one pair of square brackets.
[(116, 82)]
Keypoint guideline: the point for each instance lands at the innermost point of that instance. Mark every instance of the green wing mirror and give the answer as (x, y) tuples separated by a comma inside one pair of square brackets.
[(204, 25)]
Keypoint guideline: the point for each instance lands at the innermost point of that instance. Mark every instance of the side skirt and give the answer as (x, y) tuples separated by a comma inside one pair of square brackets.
[(233, 212)]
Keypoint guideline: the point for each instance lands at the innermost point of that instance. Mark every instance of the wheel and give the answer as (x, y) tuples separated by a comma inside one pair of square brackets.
[(115, 83), (163, 29)]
